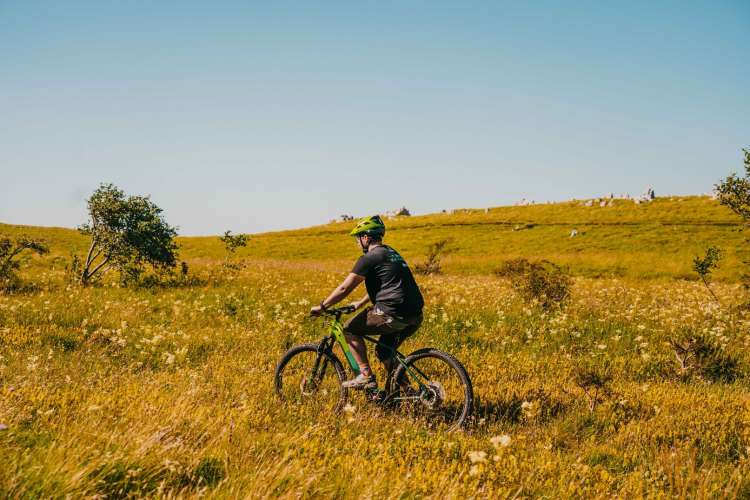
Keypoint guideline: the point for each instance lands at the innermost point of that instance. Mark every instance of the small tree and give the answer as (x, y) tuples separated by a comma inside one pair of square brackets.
[(734, 191), (705, 266), (10, 250), (126, 233), (232, 242)]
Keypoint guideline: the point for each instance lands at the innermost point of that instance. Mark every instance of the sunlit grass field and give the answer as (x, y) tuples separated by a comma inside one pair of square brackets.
[(653, 240), (115, 392)]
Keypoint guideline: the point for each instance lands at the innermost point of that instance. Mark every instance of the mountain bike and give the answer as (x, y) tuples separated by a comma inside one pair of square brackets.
[(429, 385)]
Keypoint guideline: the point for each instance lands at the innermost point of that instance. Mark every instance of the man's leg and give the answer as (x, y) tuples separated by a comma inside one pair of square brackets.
[(353, 331), (391, 342), (359, 350)]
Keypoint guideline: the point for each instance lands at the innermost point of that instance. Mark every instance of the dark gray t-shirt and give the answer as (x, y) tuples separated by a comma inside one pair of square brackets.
[(390, 284)]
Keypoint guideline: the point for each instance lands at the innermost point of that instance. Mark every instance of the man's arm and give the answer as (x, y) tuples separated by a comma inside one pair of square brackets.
[(339, 293)]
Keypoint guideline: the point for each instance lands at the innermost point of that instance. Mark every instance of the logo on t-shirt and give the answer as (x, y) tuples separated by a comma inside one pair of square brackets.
[(393, 256)]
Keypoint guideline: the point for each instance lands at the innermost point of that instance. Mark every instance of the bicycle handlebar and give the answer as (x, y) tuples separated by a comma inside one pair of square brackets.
[(338, 311)]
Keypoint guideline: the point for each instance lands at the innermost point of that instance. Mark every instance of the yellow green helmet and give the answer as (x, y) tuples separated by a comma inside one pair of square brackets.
[(371, 226)]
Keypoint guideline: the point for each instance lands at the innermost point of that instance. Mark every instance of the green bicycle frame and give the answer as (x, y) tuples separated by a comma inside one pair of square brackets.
[(337, 332)]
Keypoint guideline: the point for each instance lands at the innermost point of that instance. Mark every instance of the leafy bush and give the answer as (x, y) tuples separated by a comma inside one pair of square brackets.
[(10, 250), (542, 282), (594, 381), (698, 355), (160, 277), (119, 479), (209, 471)]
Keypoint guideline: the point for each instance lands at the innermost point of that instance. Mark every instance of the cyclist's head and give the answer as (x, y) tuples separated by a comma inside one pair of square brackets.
[(368, 230)]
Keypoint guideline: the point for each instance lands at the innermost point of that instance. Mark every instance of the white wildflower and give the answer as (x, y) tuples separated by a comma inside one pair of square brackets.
[(503, 441), (478, 457)]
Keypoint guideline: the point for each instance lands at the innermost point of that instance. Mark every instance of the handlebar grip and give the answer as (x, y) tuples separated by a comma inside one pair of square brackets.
[(340, 310)]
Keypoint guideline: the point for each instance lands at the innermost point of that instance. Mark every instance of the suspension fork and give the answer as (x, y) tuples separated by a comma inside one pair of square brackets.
[(318, 371)]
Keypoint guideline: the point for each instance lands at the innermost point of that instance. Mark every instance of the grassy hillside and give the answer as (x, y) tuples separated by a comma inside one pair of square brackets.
[(653, 240), (110, 392)]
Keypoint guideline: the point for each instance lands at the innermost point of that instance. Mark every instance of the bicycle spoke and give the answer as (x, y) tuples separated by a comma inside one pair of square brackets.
[(309, 382), (438, 398)]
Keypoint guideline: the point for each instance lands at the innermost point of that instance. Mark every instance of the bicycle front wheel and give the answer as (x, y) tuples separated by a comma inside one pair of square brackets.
[(432, 386), (306, 378)]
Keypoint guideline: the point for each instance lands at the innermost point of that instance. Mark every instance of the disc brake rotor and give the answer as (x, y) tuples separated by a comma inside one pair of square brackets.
[(434, 396)]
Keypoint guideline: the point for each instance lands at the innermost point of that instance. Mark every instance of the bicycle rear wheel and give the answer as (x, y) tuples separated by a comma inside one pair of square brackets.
[(433, 387), (306, 378)]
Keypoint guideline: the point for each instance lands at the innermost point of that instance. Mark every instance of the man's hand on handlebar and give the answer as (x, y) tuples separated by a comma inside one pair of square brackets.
[(333, 311)]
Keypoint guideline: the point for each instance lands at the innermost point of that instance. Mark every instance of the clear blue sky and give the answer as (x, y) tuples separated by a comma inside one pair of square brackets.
[(255, 116)]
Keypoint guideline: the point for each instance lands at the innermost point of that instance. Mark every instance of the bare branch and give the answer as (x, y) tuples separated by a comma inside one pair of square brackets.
[(89, 259), (99, 266)]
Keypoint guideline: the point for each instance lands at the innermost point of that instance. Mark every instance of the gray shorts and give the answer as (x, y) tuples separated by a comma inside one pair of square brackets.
[(392, 331)]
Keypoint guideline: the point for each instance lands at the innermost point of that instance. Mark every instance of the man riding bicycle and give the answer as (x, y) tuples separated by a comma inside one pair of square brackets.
[(397, 302)]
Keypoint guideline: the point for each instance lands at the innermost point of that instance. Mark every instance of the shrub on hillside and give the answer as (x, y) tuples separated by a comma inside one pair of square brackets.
[(10, 252), (542, 283), (594, 381), (161, 277), (434, 254), (699, 356)]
